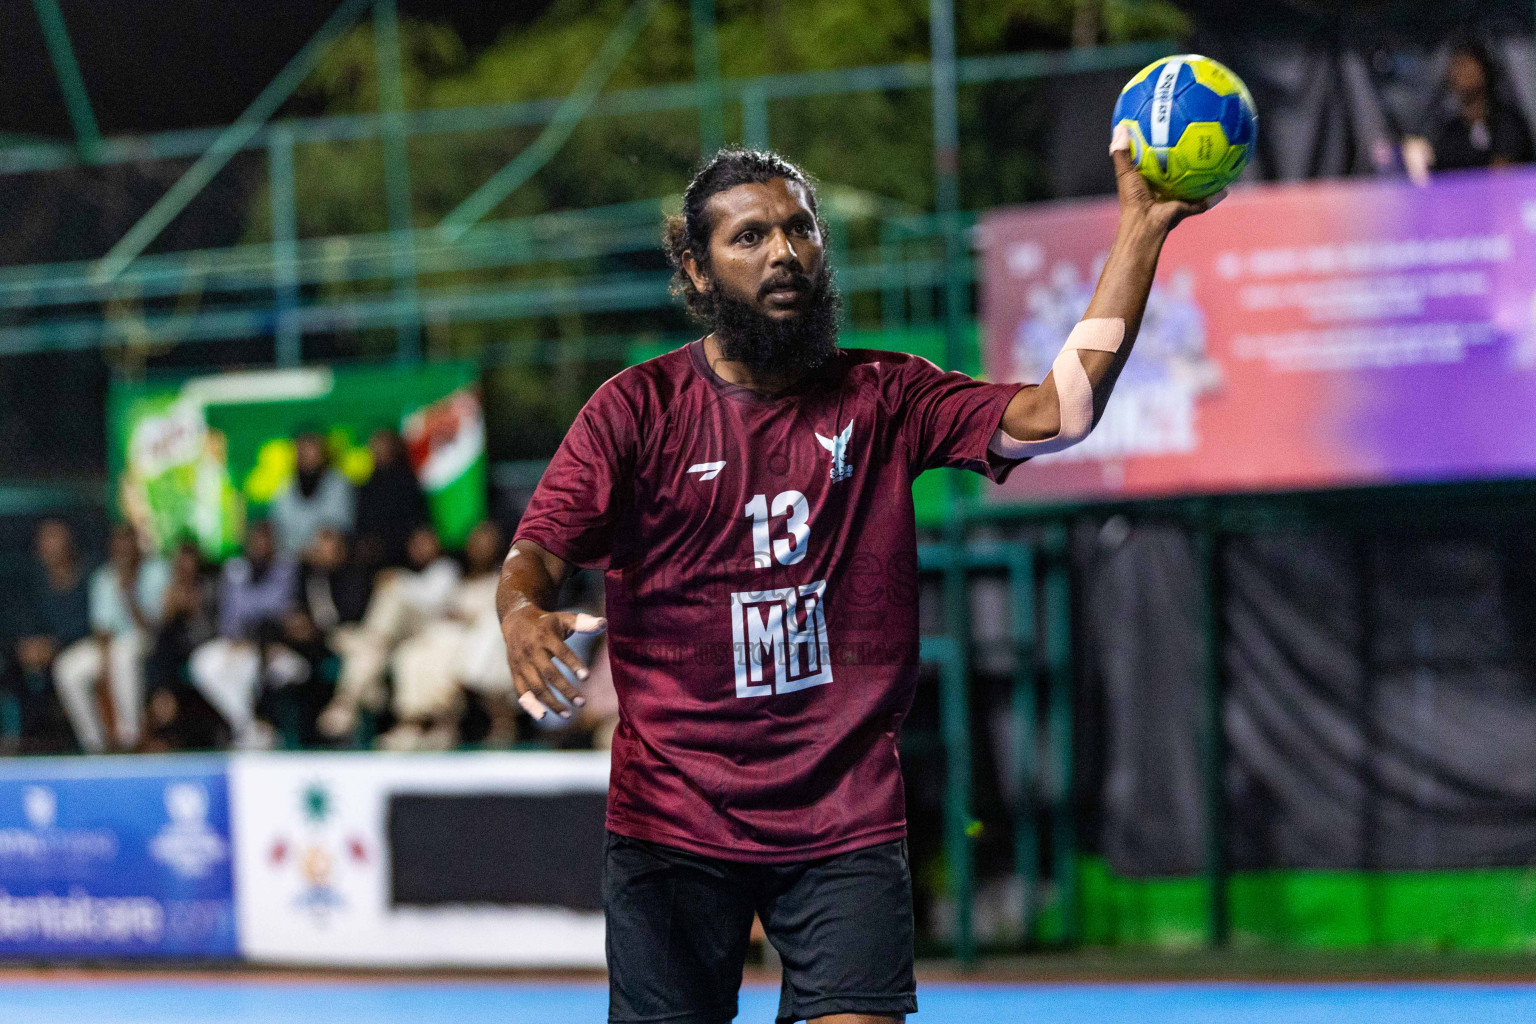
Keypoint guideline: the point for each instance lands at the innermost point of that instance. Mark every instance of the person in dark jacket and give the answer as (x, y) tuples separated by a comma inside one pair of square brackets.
[(333, 592), (50, 610), (390, 504), (177, 716), (1476, 125), (333, 588)]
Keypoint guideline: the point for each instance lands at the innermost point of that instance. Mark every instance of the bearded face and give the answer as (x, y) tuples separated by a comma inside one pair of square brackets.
[(776, 345), (765, 287)]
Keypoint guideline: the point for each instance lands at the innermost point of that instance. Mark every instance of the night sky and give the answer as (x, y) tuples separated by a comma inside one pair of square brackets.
[(158, 64)]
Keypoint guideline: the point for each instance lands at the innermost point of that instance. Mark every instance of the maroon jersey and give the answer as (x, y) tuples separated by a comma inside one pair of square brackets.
[(761, 559)]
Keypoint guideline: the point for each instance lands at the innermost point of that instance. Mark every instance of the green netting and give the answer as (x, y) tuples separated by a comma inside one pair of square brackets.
[(1487, 909)]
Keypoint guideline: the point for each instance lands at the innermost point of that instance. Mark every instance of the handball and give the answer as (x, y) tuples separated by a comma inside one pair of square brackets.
[(1192, 124)]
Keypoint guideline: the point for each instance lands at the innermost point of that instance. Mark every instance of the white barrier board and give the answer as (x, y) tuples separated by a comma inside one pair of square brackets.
[(313, 874)]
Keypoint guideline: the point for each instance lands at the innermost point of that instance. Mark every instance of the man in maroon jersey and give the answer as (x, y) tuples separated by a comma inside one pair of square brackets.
[(749, 496)]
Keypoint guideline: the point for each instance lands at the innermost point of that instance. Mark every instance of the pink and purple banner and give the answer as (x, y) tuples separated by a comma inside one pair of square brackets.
[(1300, 336)]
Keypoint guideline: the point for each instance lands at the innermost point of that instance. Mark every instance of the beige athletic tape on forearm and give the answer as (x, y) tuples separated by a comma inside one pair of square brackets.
[(1074, 391)]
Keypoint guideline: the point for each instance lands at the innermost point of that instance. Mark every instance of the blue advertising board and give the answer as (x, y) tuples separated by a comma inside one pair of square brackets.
[(116, 857)]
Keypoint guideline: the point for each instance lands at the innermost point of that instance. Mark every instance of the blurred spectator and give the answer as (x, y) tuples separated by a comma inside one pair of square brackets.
[(101, 677), (1476, 126), (51, 611), (319, 495), (333, 588), (178, 717), (404, 601), (390, 504), (332, 593), (461, 650), (301, 686), (256, 592)]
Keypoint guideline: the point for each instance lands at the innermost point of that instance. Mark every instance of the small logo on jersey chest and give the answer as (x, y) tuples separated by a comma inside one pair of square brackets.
[(838, 446), (707, 470)]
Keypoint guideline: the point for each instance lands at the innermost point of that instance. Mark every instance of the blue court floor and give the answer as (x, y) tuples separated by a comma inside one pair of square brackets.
[(255, 1001)]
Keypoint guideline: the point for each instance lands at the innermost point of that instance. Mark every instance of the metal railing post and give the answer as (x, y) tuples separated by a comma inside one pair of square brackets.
[(1058, 658), (706, 72), (77, 102), (1026, 832), (838, 242), (946, 162), (955, 724), (1213, 740), (289, 348), (397, 179), (754, 116), (893, 293)]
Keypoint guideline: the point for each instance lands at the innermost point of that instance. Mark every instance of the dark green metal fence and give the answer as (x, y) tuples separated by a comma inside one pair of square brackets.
[(270, 290)]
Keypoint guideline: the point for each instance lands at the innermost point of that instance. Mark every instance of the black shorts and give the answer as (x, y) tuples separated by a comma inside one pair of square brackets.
[(679, 925)]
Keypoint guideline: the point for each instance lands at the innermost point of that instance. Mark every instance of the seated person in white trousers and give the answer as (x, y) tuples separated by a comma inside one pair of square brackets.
[(460, 649), (464, 652), (256, 591), (404, 602), (125, 605)]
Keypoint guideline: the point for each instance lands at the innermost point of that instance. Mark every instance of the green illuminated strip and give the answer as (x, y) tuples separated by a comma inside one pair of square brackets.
[(1468, 909)]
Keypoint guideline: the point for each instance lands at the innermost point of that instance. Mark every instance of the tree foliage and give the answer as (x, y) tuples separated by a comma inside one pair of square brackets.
[(876, 146), (874, 141)]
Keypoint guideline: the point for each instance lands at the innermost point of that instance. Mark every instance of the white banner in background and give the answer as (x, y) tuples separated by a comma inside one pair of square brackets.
[(313, 873)]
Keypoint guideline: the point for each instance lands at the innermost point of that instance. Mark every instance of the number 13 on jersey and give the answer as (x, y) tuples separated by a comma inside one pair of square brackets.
[(780, 635), (788, 550)]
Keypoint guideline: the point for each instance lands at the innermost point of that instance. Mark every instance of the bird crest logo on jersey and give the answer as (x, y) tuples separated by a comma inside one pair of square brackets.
[(838, 446)]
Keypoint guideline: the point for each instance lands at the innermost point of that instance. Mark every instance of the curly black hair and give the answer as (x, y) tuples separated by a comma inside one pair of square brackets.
[(690, 230)]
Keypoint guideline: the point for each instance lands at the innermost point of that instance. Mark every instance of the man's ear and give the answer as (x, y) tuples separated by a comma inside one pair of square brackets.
[(695, 272)]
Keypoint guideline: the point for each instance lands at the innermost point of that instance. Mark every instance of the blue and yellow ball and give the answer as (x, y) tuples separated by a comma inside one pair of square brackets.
[(1192, 123)]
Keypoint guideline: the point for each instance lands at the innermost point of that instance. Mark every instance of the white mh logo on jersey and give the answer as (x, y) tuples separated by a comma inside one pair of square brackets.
[(838, 446), (780, 640), (707, 470)]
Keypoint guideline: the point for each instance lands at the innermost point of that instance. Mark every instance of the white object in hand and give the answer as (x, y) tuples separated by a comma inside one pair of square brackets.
[(587, 628)]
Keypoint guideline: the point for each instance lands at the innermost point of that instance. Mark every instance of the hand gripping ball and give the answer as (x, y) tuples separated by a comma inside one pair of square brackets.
[(1192, 123)]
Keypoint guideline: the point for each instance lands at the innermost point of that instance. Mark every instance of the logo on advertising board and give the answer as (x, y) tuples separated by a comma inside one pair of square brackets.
[(44, 847), (316, 853), (186, 843), (191, 459), (116, 863)]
